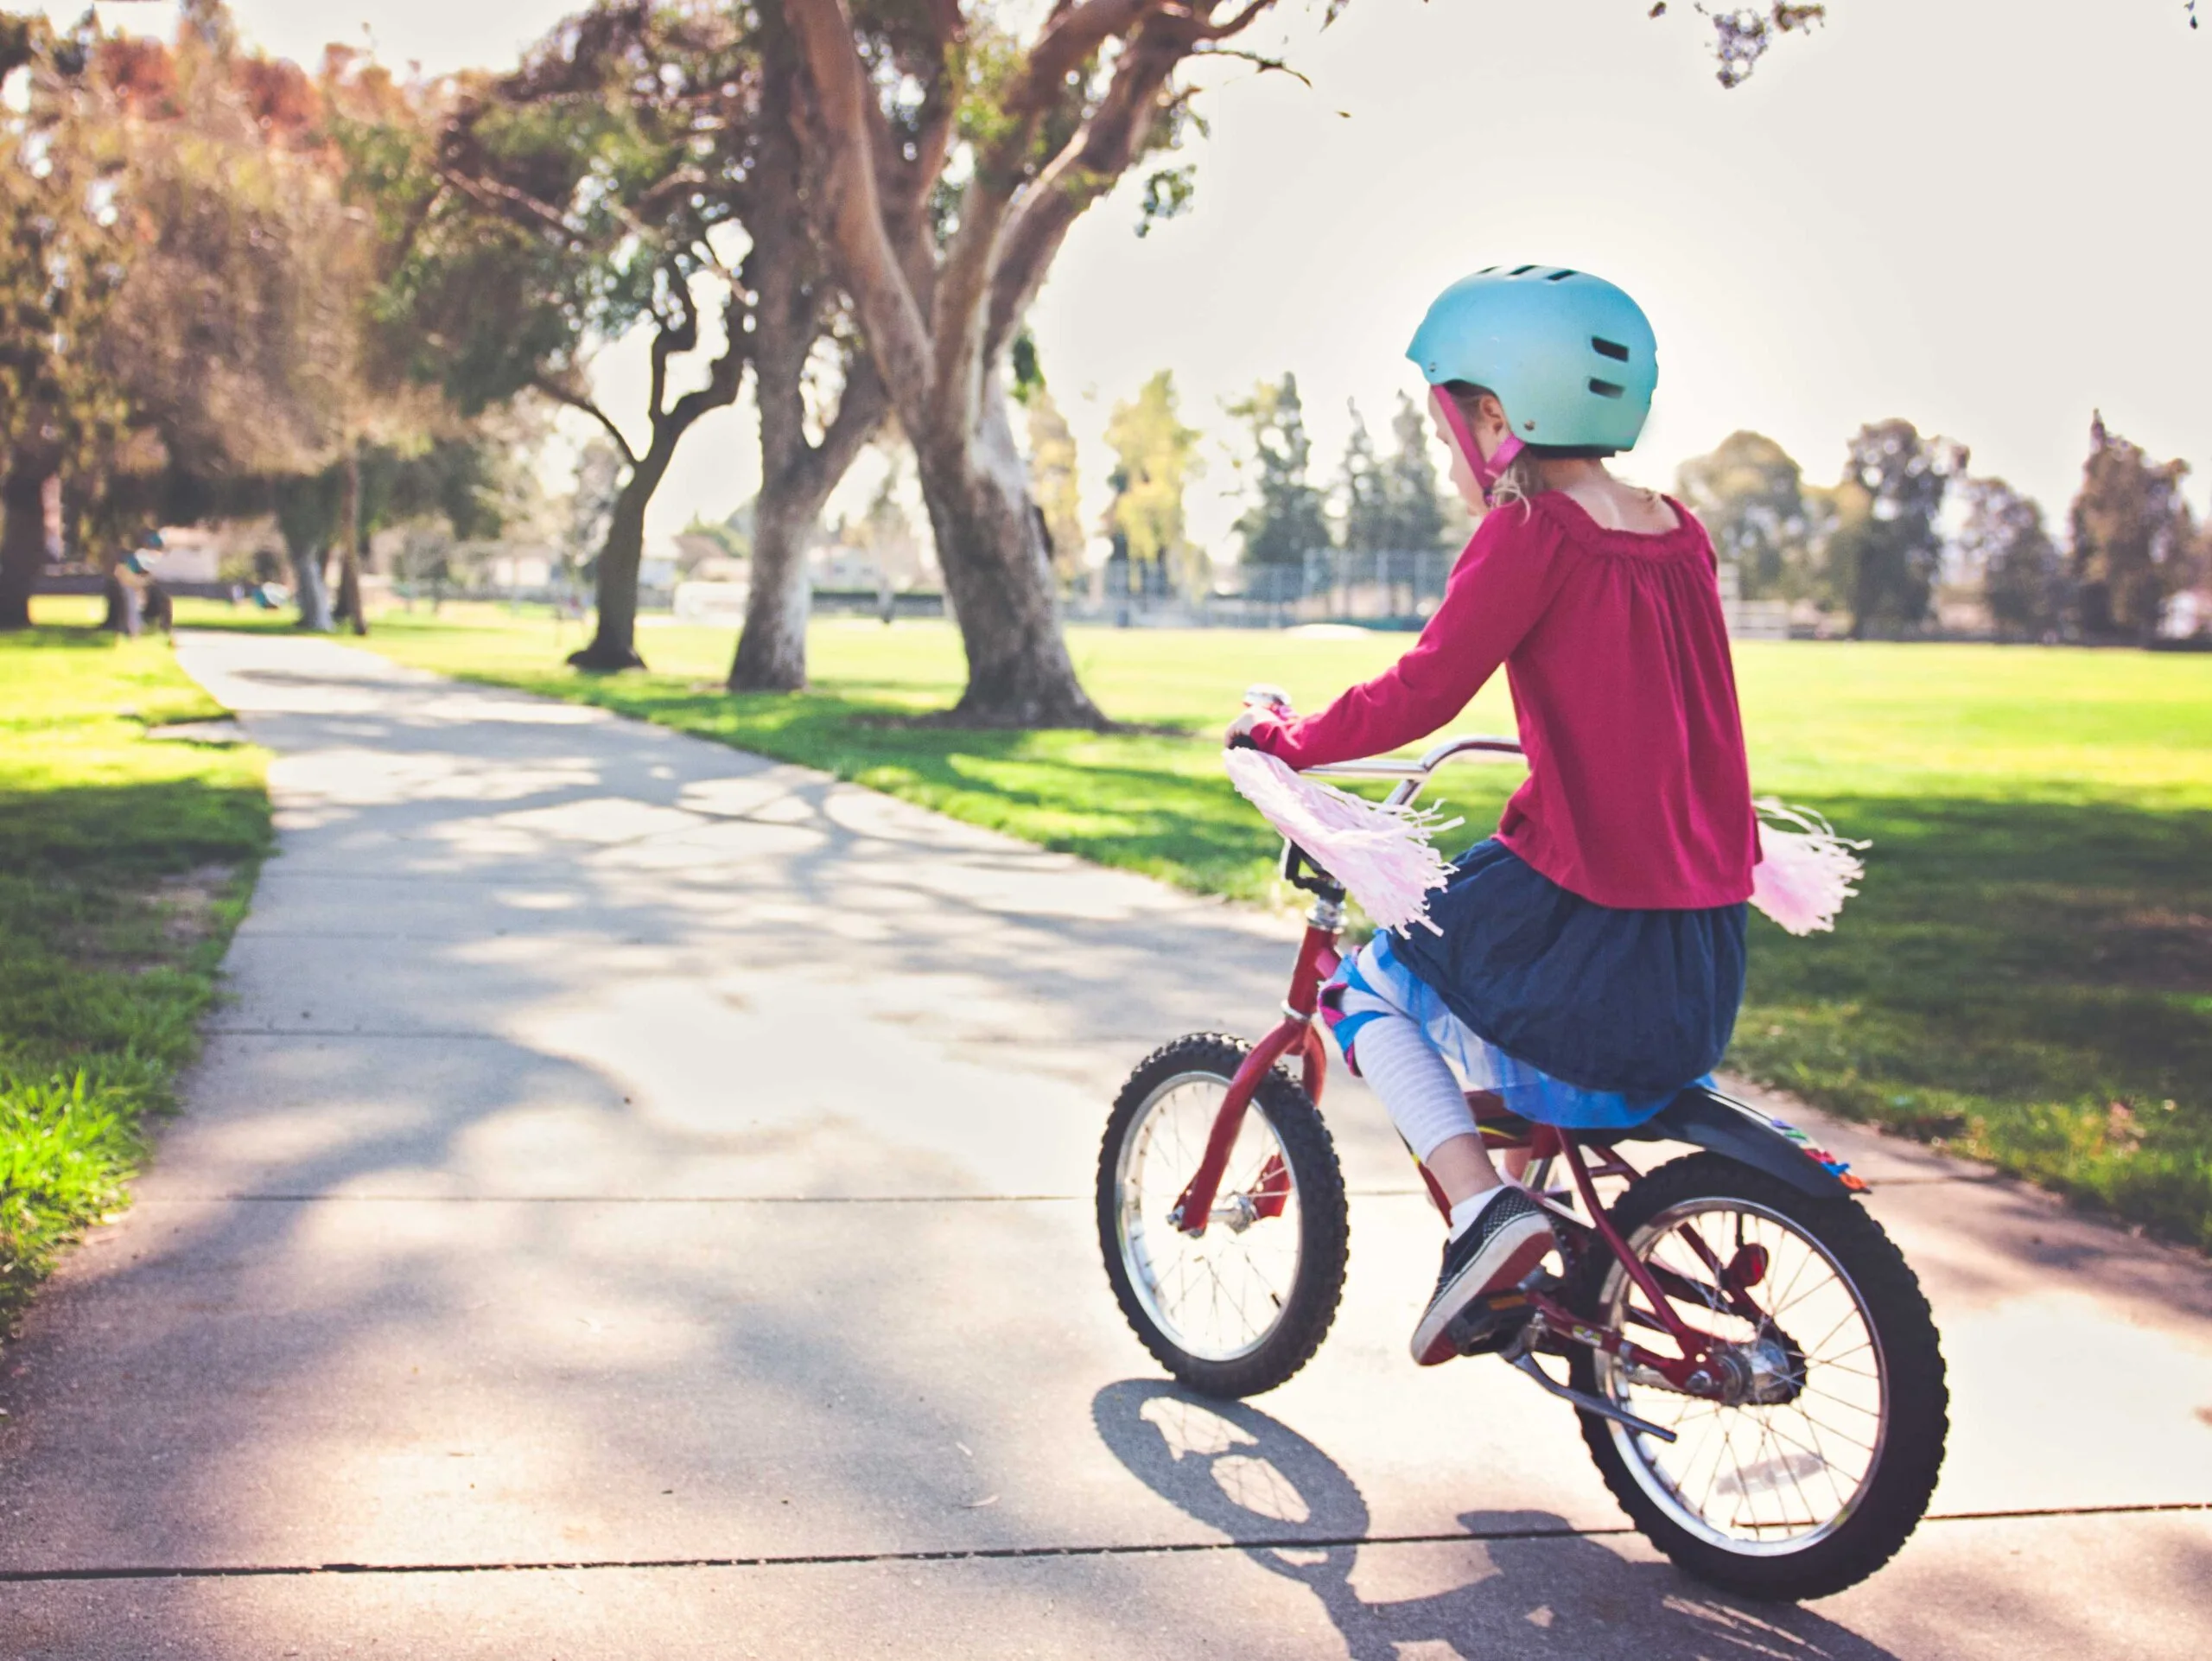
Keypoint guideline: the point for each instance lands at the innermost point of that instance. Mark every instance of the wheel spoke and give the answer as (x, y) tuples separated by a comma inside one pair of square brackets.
[(1767, 1476), (1219, 1293)]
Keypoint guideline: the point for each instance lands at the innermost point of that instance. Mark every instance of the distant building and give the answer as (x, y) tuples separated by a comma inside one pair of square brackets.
[(520, 571), (718, 605)]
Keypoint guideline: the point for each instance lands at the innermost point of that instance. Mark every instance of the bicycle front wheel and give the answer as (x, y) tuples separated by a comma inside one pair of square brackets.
[(1242, 1306)]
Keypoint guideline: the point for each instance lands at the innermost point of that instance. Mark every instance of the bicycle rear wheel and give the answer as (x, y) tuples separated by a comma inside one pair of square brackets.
[(1818, 1459), (1242, 1306)]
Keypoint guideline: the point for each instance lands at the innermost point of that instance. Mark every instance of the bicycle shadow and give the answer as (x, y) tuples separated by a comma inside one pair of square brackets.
[(1534, 1586)]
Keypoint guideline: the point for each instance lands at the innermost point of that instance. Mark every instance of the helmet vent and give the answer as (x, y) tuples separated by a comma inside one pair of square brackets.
[(1558, 277), (1521, 271), (1612, 349), (1606, 389)]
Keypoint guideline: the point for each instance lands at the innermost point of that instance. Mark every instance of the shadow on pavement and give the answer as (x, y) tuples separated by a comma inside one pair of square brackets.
[(1527, 1578)]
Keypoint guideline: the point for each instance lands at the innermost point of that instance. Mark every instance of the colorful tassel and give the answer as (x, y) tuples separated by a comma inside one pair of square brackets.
[(1381, 855), (1805, 871)]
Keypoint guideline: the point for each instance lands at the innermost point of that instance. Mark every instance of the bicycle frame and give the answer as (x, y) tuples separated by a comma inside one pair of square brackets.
[(1691, 1368)]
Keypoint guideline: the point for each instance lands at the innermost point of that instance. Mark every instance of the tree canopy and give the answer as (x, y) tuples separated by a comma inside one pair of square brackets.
[(1155, 456), (1884, 553), (2004, 544), (595, 190), (1750, 495), (1288, 519), (2133, 537), (204, 276)]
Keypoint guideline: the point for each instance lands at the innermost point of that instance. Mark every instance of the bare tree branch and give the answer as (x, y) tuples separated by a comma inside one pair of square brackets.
[(678, 334), (504, 201), (1087, 166), (1068, 39), (860, 409), (1238, 22), (1260, 61), (575, 400), (722, 381)]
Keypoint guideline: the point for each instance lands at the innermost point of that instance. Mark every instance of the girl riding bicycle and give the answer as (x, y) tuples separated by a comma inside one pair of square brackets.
[(1587, 961)]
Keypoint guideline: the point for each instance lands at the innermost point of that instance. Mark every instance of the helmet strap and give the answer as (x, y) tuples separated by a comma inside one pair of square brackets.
[(1487, 472)]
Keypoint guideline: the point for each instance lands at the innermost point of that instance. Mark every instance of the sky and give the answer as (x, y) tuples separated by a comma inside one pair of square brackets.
[(1988, 216)]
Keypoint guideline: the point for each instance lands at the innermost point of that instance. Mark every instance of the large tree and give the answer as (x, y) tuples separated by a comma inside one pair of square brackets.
[(2003, 542), (1391, 505), (1054, 481), (1751, 497), (1423, 516), (62, 248), (1362, 504), (948, 160), (948, 157), (205, 280), (587, 195), (2132, 537), (1288, 518), (1154, 456), (251, 349), (1884, 553), (797, 311), (640, 172)]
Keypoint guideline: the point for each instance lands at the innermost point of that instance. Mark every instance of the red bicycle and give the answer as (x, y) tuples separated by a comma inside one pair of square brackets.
[(1755, 1369)]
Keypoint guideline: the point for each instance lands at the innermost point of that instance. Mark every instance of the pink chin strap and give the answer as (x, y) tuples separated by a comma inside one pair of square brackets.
[(1487, 474)]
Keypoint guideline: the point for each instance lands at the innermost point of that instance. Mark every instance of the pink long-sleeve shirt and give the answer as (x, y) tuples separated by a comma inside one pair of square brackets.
[(1638, 795)]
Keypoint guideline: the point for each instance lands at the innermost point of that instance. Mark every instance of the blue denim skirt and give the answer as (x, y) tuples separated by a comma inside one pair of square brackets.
[(1636, 1003)]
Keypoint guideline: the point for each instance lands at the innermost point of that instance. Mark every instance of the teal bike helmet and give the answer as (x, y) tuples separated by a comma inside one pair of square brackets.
[(1569, 355)]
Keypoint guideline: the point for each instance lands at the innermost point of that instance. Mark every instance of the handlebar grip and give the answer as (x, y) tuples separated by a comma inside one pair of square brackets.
[(1244, 741)]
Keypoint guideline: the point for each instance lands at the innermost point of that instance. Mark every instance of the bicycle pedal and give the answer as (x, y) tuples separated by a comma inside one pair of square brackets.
[(1485, 1325), (1488, 1323)]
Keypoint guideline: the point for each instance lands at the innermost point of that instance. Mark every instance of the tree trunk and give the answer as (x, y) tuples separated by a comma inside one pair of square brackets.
[(614, 641), (23, 545), (310, 591), (349, 528), (792, 304), (998, 576), (771, 649)]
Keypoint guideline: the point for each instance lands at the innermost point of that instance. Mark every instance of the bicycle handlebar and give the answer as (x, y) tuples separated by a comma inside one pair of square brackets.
[(1411, 775)]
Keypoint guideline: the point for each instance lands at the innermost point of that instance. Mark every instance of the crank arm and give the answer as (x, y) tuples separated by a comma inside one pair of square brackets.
[(1588, 1402)]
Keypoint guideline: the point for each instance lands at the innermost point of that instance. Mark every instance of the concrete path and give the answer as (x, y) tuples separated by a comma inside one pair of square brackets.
[(637, 1205)]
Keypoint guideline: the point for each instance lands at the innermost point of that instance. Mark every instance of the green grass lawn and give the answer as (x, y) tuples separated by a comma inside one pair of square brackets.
[(2027, 977), (124, 863)]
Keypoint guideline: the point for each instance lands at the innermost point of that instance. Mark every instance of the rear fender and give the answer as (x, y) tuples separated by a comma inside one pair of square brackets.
[(1705, 1118)]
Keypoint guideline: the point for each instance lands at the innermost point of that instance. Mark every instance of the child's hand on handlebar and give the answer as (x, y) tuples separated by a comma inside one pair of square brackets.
[(1259, 702)]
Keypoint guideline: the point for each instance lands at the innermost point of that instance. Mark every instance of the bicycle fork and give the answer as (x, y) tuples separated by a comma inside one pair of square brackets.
[(1317, 961)]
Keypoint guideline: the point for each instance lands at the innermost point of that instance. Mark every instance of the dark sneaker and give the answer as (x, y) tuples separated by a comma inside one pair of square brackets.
[(1508, 1240)]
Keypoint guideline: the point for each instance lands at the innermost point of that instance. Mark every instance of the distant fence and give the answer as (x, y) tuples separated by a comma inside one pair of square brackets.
[(1376, 590), (875, 602), (1329, 585), (95, 583), (722, 604)]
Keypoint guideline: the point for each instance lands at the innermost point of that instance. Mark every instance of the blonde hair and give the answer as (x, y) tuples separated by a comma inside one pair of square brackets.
[(1523, 476)]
